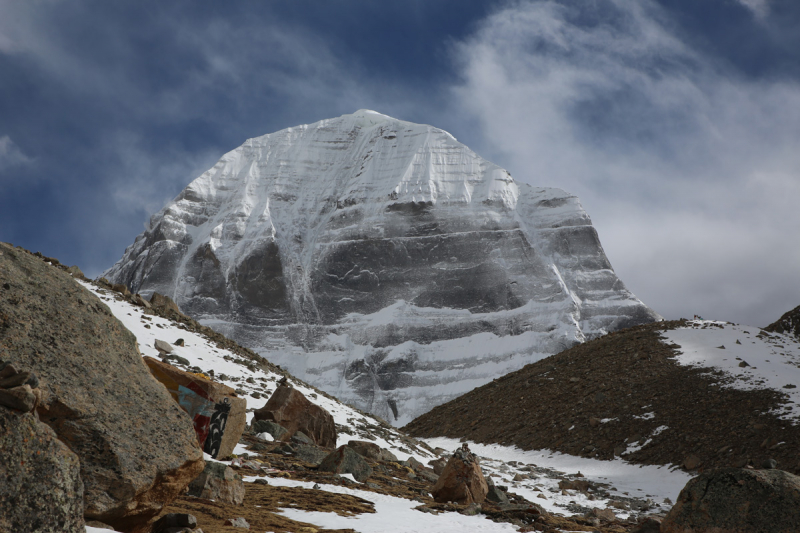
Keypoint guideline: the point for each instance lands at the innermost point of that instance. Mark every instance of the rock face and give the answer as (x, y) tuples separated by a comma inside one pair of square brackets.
[(136, 446), (288, 407), (219, 416), (385, 252), (461, 481), (789, 323), (218, 482), (40, 484), (733, 500)]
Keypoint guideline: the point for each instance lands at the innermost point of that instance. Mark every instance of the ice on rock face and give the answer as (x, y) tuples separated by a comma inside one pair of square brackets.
[(381, 260)]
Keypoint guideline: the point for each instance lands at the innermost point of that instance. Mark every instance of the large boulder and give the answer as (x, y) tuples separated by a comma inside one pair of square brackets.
[(288, 407), (40, 483), (366, 449), (219, 482), (344, 460), (219, 416), (461, 480), (736, 500), (137, 448)]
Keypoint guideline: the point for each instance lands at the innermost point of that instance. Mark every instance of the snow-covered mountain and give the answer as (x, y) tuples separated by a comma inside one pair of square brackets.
[(382, 261)]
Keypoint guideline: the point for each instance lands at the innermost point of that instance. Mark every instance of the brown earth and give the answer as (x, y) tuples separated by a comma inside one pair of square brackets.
[(558, 403)]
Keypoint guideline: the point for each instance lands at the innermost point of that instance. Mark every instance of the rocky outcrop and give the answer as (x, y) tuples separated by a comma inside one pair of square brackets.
[(136, 446), (218, 414), (40, 484), (366, 449), (376, 249), (789, 323), (461, 481), (288, 407), (218, 482), (736, 500), (344, 460)]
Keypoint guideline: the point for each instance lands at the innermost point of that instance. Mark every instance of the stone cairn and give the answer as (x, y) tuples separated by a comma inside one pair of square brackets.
[(18, 389)]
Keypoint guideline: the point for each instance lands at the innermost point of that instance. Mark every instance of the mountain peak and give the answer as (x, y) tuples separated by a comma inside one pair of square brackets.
[(381, 260)]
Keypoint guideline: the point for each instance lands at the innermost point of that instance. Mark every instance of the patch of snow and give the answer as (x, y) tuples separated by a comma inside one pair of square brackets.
[(392, 514), (759, 360), (625, 479)]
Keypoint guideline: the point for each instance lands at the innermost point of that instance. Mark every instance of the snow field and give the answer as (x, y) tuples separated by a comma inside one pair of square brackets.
[(751, 358)]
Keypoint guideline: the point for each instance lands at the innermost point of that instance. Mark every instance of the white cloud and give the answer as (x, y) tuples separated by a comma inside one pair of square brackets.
[(690, 173), (759, 7), (10, 154)]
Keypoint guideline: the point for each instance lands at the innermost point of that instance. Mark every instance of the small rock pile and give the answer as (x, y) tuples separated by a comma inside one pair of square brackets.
[(18, 390)]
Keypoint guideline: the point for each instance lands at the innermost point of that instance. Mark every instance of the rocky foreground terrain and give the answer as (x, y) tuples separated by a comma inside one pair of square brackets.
[(91, 434), (625, 394)]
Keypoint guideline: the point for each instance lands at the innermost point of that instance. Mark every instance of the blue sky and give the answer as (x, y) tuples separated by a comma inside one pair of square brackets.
[(676, 122)]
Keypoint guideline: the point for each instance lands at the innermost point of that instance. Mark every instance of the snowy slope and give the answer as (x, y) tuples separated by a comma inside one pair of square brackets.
[(222, 364), (750, 357), (381, 260)]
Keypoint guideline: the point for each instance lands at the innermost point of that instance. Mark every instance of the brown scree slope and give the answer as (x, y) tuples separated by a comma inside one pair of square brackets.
[(558, 404)]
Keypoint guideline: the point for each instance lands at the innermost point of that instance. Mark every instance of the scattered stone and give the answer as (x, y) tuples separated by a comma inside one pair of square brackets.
[(581, 485), (20, 398), (174, 520), (650, 524), (344, 460), (76, 272), (162, 346), (388, 456), (40, 484), (692, 462), (288, 407), (261, 481), (218, 482), (438, 465), (734, 500), (310, 454), (302, 438), (17, 379), (496, 495), (461, 480), (219, 416), (743, 364), (471, 509), (164, 303), (769, 464), (121, 288), (366, 449), (237, 522), (606, 515), (267, 426)]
